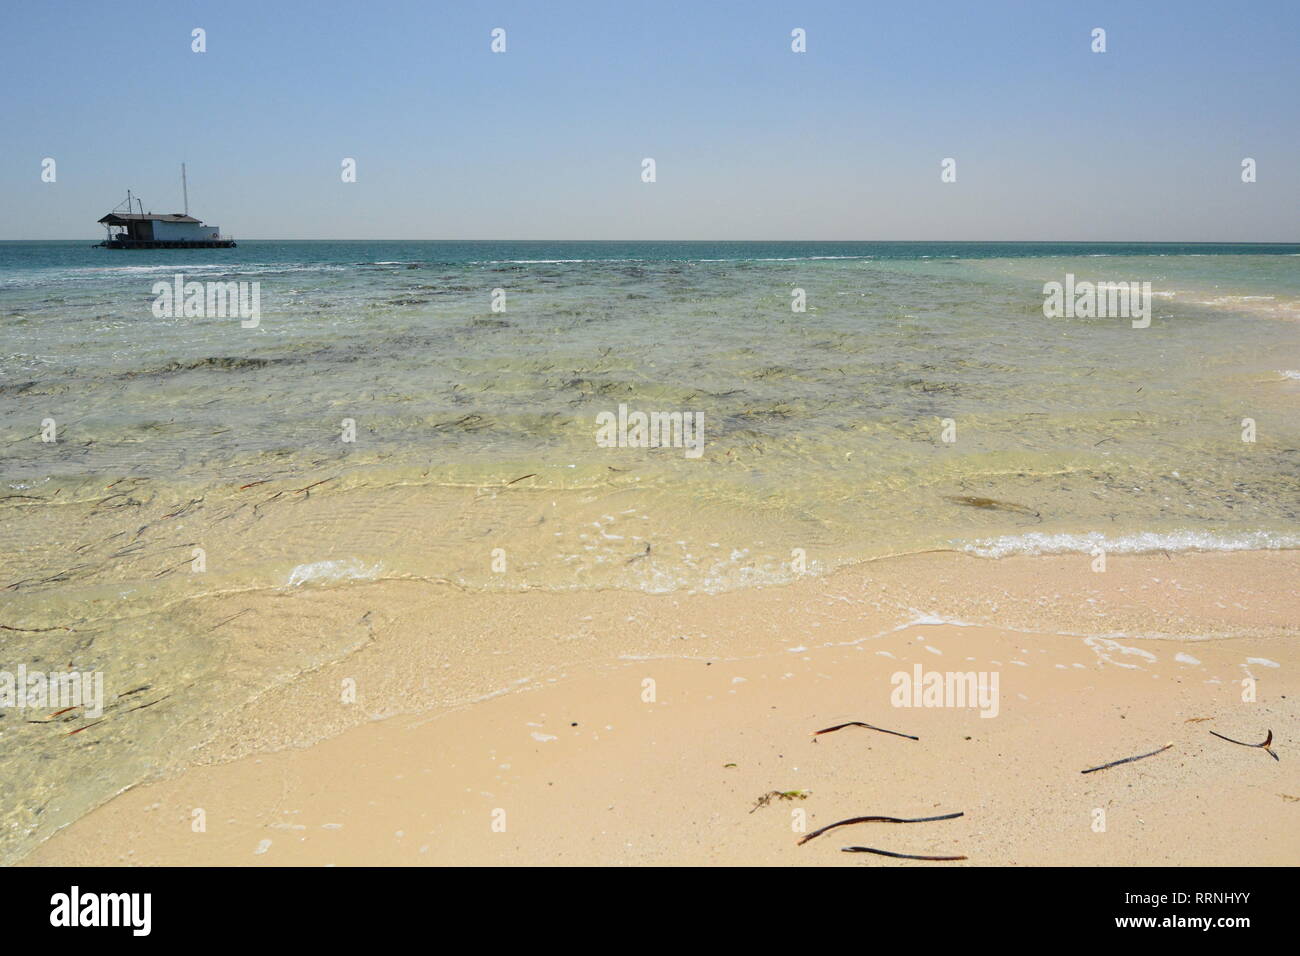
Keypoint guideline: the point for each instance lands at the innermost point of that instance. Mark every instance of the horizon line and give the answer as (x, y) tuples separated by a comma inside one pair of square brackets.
[(1146, 242)]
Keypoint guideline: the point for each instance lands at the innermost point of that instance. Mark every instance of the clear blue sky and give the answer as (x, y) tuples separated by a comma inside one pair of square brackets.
[(752, 141)]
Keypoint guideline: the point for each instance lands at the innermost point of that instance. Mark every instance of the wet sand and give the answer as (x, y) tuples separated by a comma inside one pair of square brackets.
[(520, 728)]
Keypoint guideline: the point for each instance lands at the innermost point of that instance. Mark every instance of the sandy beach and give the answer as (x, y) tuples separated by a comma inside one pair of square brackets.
[(398, 523), (625, 729)]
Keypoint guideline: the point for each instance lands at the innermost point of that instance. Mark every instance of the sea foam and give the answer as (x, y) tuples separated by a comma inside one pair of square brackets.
[(350, 569), (1140, 543)]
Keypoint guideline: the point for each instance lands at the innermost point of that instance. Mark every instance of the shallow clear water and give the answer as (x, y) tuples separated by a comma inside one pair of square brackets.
[(823, 430)]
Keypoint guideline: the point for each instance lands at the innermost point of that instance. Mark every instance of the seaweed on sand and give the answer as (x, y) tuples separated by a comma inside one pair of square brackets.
[(1264, 746), (852, 820), (767, 798)]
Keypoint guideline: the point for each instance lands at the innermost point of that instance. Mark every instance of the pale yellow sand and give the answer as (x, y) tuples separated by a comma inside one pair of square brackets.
[(582, 768)]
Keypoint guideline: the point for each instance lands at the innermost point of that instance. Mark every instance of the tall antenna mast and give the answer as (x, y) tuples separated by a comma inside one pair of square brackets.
[(185, 189)]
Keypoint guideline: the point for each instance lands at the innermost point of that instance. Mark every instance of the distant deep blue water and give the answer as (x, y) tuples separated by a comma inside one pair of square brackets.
[(21, 255)]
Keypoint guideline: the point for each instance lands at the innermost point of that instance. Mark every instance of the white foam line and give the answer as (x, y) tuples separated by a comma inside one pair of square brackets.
[(1141, 543)]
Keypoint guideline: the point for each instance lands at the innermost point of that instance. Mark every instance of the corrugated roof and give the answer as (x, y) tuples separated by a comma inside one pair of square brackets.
[(116, 218)]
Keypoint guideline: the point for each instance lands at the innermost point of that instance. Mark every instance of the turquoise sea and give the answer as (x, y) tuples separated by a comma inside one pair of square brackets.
[(823, 426)]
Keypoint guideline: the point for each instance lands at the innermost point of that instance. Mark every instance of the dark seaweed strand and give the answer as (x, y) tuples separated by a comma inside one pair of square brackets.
[(899, 856), (1264, 746), (844, 823), (858, 723), (1116, 763)]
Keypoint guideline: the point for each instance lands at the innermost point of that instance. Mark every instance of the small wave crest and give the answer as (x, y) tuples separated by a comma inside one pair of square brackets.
[(350, 569), (1147, 542)]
